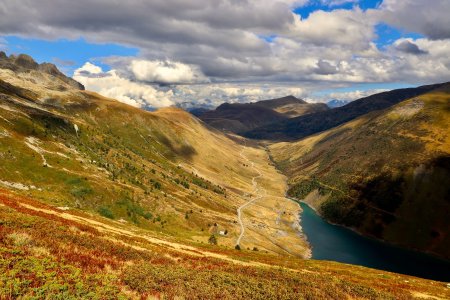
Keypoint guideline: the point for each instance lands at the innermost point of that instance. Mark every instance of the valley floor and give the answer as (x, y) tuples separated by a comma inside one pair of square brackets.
[(265, 220), (269, 220)]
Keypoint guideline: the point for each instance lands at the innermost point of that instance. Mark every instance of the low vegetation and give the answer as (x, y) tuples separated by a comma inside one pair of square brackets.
[(384, 174), (306, 125), (44, 254), (100, 200)]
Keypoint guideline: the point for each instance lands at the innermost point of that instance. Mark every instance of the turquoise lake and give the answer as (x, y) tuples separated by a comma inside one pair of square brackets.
[(337, 243)]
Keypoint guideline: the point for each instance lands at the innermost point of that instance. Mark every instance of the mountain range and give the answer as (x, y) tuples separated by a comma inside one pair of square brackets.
[(302, 126), (102, 200), (384, 174), (337, 103), (242, 117)]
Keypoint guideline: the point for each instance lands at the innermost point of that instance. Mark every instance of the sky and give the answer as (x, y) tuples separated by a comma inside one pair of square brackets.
[(158, 53)]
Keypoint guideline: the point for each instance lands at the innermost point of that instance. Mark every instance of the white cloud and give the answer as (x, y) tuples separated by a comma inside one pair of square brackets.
[(349, 96), (116, 85), (339, 27), (112, 85), (428, 17), (166, 72), (315, 67), (89, 69), (225, 42)]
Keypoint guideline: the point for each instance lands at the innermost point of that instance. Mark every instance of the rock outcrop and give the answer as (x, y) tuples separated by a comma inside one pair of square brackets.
[(25, 63)]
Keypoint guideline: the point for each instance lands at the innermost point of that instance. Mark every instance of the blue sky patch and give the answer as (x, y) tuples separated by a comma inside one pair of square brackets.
[(362, 87), (316, 5), (388, 34), (68, 55)]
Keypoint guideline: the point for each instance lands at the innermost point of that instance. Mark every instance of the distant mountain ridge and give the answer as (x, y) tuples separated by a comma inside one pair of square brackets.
[(384, 174), (337, 103), (241, 117), (302, 126)]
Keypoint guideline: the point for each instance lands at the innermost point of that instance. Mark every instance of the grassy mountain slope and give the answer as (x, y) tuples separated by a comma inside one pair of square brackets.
[(100, 200), (46, 252), (303, 126), (162, 171), (241, 117), (384, 174), (291, 106)]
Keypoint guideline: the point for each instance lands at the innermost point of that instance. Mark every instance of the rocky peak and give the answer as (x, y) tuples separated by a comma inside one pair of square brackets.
[(25, 63), (50, 69)]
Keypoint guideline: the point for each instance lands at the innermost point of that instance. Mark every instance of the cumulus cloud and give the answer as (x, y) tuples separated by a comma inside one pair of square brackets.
[(428, 17), (115, 84), (222, 39), (166, 72), (190, 48), (339, 27), (409, 47), (111, 84), (89, 70), (325, 68)]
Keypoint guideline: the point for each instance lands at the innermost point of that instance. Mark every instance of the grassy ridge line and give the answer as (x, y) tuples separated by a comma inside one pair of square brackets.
[(383, 174), (99, 267), (161, 171), (105, 163), (303, 126)]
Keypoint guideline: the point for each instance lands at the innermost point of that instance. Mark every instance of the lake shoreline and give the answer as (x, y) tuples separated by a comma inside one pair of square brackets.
[(337, 243), (371, 237)]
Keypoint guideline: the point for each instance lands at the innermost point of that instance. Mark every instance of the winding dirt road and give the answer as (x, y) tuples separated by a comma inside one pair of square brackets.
[(256, 190)]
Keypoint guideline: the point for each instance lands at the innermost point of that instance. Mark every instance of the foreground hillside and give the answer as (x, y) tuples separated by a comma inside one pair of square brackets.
[(162, 171), (242, 117), (46, 252), (305, 125), (384, 174)]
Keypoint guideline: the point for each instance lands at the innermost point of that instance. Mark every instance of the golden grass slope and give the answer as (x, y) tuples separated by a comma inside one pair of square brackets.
[(46, 252), (163, 171), (385, 174)]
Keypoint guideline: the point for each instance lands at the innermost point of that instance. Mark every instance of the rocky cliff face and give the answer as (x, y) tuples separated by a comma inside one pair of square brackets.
[(26, 65)]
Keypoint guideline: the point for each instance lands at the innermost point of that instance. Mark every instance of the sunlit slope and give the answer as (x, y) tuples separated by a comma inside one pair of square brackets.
[(163, 171), (306, 125), (385, 174), (47, 252), (100, 200)]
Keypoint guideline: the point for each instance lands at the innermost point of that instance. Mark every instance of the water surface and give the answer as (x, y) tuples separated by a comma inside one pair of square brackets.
[(336, 243)]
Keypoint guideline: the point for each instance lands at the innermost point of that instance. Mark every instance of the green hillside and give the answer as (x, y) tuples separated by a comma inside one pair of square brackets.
[(100, 200), (242, 117), (384, 174), (305, 125), (163, 171)]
